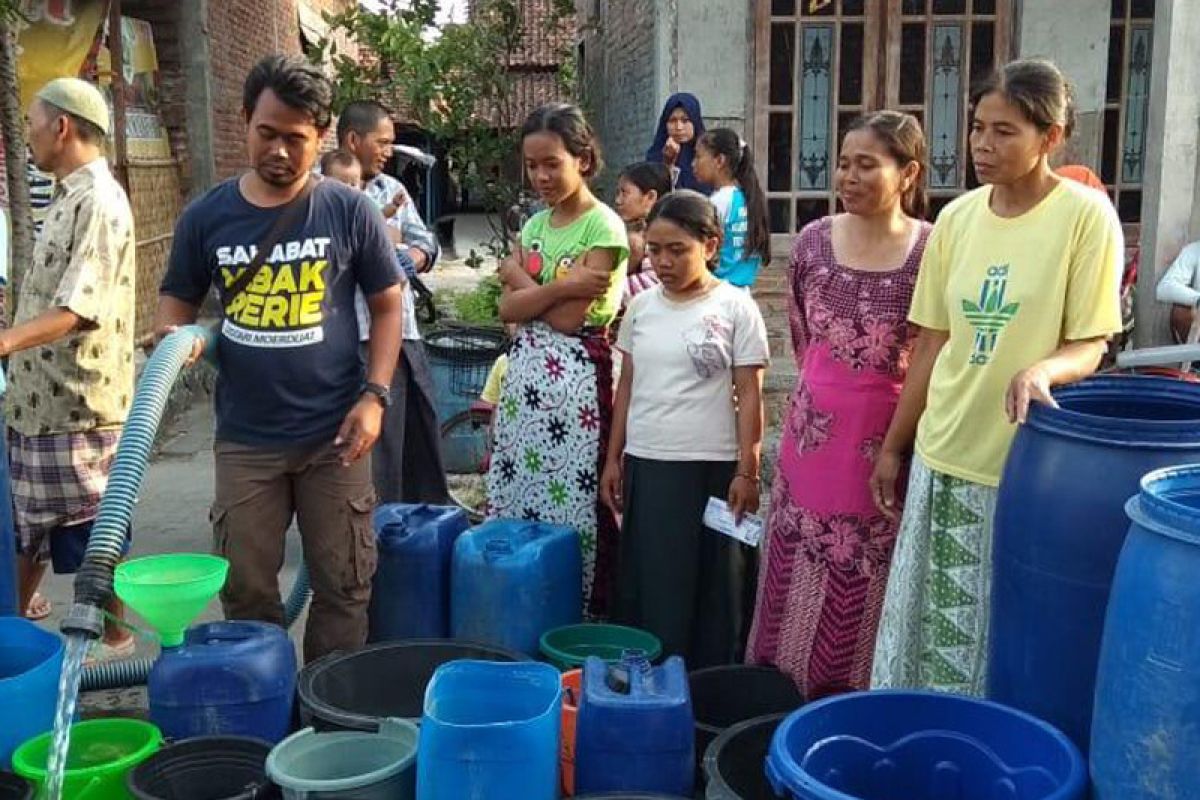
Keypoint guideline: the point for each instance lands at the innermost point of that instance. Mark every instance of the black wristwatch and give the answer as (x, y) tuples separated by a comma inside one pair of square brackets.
[(382, 393)]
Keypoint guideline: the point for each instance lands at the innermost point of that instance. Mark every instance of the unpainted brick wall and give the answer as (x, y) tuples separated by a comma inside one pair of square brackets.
[(619, 80)]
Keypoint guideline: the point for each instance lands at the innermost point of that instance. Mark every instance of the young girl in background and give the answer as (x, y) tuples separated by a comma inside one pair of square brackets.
[(724, 160), (563, 285), (680, 126), (639, 187), (678, 439)]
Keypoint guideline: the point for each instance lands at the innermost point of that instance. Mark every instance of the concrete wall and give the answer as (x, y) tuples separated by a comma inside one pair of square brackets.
[(714, 62), (1073, 34), (1172, 175)]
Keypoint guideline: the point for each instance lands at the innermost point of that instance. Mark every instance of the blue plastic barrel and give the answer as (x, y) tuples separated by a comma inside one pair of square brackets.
[(410, 595), (30, 662), (512, 581), (886, 745), (490, 730), (234, 678), (635, 729), (1060, 524), (1146, 729)]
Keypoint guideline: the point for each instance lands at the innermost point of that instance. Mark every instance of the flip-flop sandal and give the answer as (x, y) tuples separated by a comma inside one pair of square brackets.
[(39, 608), (102, 651)]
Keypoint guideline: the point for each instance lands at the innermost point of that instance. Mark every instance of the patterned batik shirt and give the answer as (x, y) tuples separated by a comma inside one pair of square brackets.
[(83, 261)]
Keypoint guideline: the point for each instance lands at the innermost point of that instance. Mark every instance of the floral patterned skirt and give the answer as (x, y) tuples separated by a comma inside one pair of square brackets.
[(551, 440)]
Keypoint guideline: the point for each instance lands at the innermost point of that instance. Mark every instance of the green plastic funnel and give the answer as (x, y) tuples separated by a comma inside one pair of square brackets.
[(170, 591)]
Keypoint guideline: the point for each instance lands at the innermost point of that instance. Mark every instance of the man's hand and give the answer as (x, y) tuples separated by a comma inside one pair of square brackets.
[(419, 258), (197, 347), (360, 429), (399, 199)]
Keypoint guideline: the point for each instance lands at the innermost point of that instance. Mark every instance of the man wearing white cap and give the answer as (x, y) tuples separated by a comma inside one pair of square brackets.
[(70, 348)]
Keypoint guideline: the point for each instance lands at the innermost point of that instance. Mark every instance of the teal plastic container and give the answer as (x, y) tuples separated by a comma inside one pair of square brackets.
[(347, 765), (30, 661), (490, 730), (514, 580), (635, 730)]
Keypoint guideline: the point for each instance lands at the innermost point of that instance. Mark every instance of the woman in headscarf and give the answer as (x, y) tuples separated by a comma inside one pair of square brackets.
[(680, 126)]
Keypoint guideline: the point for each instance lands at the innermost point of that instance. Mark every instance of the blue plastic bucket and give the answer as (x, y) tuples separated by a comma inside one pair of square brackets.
[(350, 764), (917, 745), (490, 730), (30, 662)]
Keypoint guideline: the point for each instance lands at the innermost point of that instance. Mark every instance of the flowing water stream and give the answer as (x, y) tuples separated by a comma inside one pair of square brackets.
[(68, 694)]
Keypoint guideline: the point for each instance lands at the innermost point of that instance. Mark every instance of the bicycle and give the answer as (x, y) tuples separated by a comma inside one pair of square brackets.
[(470, 431)]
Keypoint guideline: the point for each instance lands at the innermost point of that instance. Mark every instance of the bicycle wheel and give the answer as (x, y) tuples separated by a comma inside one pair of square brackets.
[(466, 445)]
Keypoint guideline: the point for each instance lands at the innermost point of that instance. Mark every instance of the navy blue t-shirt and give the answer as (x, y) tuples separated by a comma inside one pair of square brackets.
[(289, 365)]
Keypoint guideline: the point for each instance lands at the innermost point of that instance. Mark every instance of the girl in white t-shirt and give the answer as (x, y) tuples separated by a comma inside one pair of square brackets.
[(678, 438)]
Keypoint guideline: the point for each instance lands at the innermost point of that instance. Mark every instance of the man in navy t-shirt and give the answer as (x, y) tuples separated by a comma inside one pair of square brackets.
[(296, 413)]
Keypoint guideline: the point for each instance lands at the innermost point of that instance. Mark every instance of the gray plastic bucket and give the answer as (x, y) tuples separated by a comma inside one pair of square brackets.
[(348, 765)]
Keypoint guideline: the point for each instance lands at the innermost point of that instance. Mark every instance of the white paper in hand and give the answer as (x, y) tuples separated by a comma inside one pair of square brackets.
[(718, 517)]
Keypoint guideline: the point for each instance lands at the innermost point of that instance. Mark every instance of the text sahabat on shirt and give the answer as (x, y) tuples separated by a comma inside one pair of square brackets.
[(288, 290)]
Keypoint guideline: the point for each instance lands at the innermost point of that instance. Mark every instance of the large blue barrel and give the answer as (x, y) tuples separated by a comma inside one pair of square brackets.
[(1060, 524), (513, 581), (233, 678), (490, 730), (8, 546), (410, 594), (635, 729), (1146, 729)]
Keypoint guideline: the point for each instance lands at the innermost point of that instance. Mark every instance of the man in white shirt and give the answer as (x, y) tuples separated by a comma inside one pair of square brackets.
[(407, 459), (1180, 286)]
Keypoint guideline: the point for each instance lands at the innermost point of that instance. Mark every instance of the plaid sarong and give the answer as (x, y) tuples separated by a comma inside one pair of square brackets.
[(57, 480)]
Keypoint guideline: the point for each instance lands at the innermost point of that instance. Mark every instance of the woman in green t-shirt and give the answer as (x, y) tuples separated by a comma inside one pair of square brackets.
[(563, 285), (1017, 293)]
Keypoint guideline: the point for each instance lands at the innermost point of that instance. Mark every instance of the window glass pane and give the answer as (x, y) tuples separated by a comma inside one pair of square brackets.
[(850, 68), (984, 6), (936, 204), (945, 106), (913, 7), (983, 51), (779, 153), (779, 210), (818, 8), (853, 8), (783, 8), (843, 122), (809, 209), (1141, 9), (1116, 55), (912, 63), (972, 180), (783, 63), (815, 107), (1108, 147), (1129, 206), (1137, 105), (1118, 9), (949, 6)]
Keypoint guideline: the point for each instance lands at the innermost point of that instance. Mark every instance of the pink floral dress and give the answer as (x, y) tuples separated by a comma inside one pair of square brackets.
[(828, 549)]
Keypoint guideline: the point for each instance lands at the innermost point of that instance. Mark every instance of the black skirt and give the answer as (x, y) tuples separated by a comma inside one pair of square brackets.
[(690, 586)]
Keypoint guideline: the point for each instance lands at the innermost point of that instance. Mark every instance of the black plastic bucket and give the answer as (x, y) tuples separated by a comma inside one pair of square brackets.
[(205, 768), (354, 691), (735, 762), (725, 696), (14, 787)]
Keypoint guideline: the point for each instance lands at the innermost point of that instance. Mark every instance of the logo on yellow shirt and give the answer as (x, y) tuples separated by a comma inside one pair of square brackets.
[(991, 314)]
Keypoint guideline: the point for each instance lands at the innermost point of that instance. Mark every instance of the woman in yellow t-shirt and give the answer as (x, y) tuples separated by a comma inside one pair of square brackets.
[(1017, 293)]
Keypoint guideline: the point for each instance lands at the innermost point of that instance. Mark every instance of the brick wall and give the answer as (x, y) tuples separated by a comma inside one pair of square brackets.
[(619, 80)]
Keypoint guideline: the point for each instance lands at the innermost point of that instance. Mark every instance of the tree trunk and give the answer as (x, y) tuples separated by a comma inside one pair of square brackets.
[(12, 128)]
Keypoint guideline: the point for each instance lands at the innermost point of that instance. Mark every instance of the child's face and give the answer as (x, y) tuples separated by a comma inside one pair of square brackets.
[(707, 166), (351, 175), (555, 173), (680, 126), (679, 258), (631, 202)]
